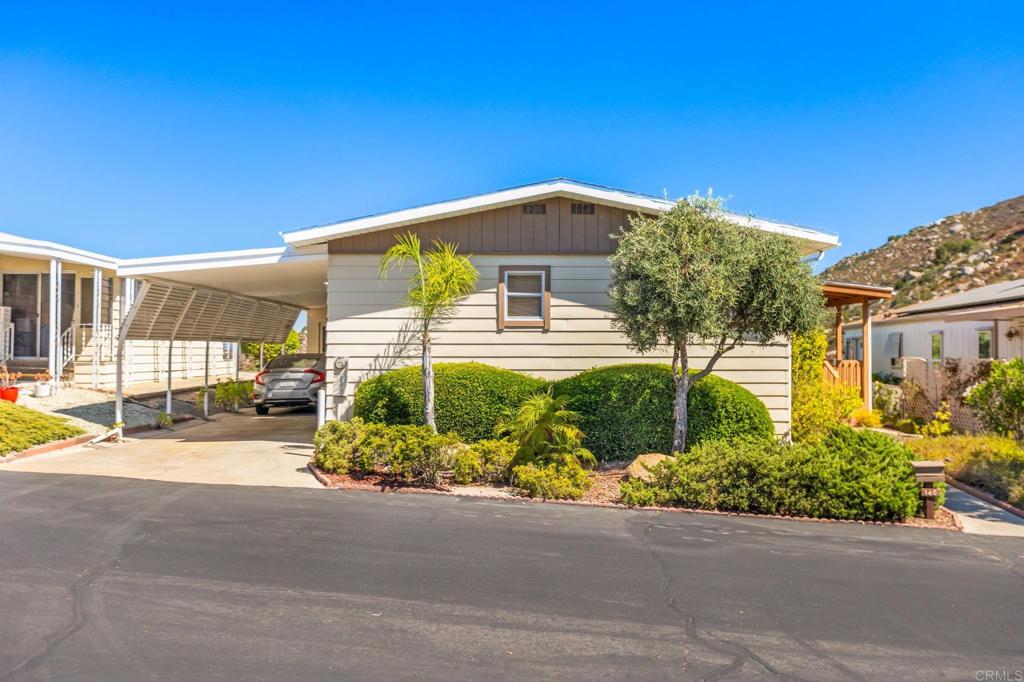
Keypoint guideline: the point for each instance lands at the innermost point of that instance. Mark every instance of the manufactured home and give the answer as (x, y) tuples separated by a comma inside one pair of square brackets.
[(541, 304), (984, 323)]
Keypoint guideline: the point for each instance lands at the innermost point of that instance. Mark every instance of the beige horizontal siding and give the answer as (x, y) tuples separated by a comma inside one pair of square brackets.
[(366, 314), (146, 361)]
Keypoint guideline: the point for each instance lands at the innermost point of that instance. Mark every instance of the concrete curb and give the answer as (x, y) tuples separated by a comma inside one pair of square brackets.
[(327, 483), (58, 445), (985, 497), (48, 447)]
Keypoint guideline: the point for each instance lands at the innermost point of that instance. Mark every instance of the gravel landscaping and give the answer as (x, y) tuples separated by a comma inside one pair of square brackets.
[(92, 411)]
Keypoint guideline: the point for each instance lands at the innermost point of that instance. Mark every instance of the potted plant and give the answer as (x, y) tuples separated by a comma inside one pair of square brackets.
[(8, 385), (43, 387)]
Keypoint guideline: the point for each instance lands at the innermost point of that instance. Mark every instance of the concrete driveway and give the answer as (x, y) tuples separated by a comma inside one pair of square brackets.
[(236, 449)]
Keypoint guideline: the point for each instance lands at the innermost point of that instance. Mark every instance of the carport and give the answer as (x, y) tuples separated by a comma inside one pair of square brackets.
[(170, 311), (252, 295)]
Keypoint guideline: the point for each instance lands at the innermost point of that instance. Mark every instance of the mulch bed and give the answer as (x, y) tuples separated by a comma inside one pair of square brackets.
[(604, 493)]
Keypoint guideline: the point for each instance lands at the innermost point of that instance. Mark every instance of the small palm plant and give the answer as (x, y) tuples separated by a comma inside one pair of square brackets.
[(442, 279), (546, 432)]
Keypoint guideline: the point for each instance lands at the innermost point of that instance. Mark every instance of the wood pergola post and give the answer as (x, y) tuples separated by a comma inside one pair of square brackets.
[(839, 335), (865, 365)]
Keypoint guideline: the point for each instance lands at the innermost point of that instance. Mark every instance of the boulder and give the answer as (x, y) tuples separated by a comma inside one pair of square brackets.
[(638, 468)]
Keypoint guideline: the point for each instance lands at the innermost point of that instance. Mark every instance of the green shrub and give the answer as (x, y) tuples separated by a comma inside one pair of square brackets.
[(485, 461), (999, 399), (994, 464), (22, 428), (411, 453), (627, 410), (469, 399), (271, 350), (335, 443), (564, 480), (847, 475), (233, 395), (418, 455), (817, 407)]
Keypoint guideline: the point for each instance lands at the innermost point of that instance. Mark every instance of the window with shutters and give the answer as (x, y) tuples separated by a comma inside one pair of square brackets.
[(524, 296)]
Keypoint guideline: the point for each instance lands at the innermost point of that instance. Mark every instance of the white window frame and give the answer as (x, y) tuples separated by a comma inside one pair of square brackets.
[(539, 296), (991, 339), (942, 346)]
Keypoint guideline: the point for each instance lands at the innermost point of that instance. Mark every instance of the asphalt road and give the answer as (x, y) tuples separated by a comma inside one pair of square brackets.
[(114, 579)]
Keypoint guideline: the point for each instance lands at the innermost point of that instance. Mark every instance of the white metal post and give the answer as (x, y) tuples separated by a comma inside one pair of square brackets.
[(321, 407), (238, 359), (206, 381), (261, 357), (170, 367), (54, 328), (97, 301)]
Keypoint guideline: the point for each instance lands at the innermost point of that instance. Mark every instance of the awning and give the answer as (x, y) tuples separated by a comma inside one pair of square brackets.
[(165, 310)]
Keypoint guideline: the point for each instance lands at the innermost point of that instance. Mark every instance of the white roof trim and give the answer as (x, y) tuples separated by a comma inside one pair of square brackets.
[(135, 267), (23, 246), (541, 190)]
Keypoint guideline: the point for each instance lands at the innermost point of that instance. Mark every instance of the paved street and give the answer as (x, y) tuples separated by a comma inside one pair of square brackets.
[(119, 579)]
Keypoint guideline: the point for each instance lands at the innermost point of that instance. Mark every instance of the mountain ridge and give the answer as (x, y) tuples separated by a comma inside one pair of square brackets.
[(959, 252)]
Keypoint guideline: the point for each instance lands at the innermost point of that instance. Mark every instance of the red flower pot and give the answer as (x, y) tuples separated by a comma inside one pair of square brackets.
[(10, 394)]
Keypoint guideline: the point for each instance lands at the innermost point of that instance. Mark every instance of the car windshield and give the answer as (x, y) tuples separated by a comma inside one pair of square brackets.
[(294, 362)]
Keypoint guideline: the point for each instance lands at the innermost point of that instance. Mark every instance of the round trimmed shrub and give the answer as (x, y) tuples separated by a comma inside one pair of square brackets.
[(627, 410), (469, 397)]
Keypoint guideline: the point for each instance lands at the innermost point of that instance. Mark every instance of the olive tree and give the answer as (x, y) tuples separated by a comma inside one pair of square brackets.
[(691, 277), (441, 279)]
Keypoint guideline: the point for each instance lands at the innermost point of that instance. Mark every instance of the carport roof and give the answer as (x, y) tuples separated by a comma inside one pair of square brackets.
[(166, 310)]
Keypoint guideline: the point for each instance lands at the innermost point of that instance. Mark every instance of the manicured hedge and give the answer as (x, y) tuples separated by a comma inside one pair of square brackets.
[(469, 397), (848, 475), (627, 410), (22, 428)]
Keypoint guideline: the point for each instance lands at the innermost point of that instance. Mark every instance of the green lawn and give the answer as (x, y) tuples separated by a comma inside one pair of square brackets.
[(22, 428)]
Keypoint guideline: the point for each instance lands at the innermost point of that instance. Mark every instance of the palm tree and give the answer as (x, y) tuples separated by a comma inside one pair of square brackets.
[(442, 279), (546, 431)]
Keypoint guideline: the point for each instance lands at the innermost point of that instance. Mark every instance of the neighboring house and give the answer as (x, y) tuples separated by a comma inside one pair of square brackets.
[(977, 324), (542, 303), (80, 345)]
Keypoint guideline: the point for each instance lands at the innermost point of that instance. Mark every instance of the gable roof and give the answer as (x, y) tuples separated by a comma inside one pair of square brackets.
[(1000, 292), (561, 187)]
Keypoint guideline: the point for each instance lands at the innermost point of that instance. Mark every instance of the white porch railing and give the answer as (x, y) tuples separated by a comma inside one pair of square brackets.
[(102, 338), (67, 349), (6, 341)]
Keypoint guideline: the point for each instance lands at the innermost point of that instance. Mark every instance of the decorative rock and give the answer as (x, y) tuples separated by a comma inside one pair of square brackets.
[(638, 468)]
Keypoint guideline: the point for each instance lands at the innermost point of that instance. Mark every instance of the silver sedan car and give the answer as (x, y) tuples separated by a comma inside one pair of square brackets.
[(289, 381)]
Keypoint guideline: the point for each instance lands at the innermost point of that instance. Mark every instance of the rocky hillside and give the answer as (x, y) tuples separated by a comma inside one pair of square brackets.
[(959, 252)]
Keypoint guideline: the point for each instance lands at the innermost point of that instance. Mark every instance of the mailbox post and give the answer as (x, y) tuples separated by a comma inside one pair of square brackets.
[(928, 473)]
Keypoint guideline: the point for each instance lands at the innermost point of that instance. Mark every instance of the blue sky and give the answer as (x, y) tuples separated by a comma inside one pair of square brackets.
[(139, 131)]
